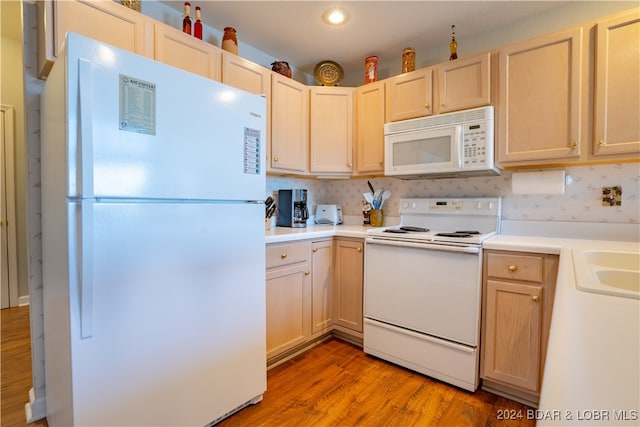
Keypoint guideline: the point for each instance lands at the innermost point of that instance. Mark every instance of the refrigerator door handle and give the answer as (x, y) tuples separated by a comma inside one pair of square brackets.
[(82, 224), (85, 145)]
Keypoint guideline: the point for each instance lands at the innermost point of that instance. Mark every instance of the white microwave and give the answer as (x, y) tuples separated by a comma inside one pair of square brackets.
[(444, 145)]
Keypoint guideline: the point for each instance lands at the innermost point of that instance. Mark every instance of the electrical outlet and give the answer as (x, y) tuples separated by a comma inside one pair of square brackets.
[(612, 196)]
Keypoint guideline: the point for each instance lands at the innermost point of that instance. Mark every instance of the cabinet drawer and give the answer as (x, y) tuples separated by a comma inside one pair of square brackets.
[(515, 267), (279, 254)]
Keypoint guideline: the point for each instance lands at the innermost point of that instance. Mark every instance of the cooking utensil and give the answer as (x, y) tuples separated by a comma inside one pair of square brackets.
[(385, 196), (371, 187), (377, 198), (368, 197)]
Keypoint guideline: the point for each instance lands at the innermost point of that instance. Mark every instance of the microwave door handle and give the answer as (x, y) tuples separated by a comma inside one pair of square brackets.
[(457, 147)]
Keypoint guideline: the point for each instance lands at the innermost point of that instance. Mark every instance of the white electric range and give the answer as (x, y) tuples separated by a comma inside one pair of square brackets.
[(423, 283)]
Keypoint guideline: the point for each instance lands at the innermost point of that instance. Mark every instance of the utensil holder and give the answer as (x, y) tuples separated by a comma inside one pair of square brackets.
[(376, 217)]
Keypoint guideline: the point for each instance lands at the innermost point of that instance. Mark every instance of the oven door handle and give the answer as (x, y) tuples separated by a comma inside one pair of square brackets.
[(434, 246)]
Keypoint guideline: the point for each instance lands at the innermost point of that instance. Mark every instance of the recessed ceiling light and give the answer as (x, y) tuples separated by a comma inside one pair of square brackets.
[(335, 16)]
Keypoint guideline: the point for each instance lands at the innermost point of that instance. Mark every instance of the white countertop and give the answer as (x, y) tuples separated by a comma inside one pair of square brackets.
[(592, 370), (315, 231)]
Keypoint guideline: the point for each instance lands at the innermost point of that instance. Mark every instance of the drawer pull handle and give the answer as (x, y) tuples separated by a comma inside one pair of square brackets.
[(306, 273), (315, 250), (513, 268), (536, 298), (283, 255)]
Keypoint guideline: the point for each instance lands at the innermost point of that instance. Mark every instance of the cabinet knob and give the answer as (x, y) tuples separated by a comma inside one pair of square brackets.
[(574, 145), (441, 103), (427, 106), (350, 165), (535, 298), (315, 250), (283, 255), (359, 249), (275, 159), (306, 273), (513, 268), (601, 143), (380, 162)]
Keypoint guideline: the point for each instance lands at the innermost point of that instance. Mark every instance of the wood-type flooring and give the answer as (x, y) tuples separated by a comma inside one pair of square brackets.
[(333, 384), (337, 384)]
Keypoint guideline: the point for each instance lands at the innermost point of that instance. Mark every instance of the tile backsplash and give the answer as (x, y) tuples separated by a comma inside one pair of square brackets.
[(581, 202)]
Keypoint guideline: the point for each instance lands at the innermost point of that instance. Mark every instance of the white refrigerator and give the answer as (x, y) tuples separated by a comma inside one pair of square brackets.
[(153, 242)]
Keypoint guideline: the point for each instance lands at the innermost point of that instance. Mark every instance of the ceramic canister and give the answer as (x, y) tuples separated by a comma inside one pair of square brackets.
[(229, 40)]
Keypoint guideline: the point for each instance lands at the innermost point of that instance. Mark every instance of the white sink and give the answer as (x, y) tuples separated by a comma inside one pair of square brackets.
[(614, 273), (616, 260)]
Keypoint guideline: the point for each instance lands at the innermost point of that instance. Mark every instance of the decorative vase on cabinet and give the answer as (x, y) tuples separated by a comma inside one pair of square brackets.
[(230, 40)]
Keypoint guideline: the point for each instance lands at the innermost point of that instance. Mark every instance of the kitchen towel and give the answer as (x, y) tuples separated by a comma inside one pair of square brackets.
[(543, 182)]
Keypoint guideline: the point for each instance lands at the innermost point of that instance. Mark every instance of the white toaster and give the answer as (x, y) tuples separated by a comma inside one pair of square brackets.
[(328, 214)]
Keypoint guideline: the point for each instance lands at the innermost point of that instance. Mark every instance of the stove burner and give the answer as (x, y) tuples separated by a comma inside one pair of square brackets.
[(455, 234), (406, 229), (468, 231), (415, 229)]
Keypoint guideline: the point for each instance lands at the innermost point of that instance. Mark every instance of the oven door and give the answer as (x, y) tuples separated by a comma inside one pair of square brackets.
[(431, 289), (424, 151)]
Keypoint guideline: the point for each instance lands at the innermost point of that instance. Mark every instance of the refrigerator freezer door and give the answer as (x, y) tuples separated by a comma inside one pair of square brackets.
[(148, 130), (177, 312)]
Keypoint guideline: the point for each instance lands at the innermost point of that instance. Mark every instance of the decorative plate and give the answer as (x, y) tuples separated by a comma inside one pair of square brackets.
[(328, 73)]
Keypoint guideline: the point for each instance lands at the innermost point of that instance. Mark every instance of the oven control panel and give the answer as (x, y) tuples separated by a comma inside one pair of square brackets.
[(476, 206)]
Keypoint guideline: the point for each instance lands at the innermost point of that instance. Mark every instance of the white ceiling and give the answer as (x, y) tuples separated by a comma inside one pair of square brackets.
[(294, 31)]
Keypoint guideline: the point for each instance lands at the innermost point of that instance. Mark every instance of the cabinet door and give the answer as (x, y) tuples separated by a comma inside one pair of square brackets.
[(331, 130), (105, 21), (289, 126), (349, 283), (617, 85), (173, 47), (246, 75), (540, 105), (464, 83), (321, 285), (288, 308), (410, 95), (370, 119), (511, 350)]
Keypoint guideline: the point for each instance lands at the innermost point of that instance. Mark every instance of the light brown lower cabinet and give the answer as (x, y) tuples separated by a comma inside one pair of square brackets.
[(518, 290), (313, 289), (321, 285), (349, 272), (288, 295)]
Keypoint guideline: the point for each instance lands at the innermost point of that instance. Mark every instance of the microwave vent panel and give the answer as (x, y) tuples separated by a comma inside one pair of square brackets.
[(474, 115)]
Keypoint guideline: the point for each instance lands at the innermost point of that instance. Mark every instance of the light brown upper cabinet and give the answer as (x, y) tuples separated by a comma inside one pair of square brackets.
[(289, 146), (617, 85), (104, 20), (410, 95), (331, 130), (370, 119), (540, 106), (464, 83), (183, 51), (246, 75)]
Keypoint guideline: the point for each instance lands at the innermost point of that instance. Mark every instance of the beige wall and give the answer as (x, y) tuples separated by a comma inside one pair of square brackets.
[(12, 94)]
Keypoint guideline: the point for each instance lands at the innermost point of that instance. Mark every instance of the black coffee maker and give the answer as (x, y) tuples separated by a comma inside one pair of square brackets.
[(292, 208)]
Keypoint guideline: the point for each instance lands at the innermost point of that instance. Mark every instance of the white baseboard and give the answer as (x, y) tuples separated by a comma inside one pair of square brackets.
[(23, 300), (36, 409)]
